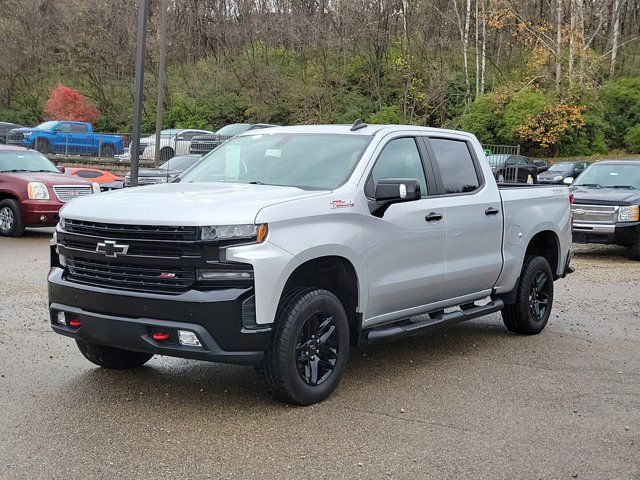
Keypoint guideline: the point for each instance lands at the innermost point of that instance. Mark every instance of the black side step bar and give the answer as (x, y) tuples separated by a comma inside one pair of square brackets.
[(395, 331)]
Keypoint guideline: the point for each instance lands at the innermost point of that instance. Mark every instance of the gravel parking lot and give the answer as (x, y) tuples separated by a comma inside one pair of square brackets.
[(472, 401)]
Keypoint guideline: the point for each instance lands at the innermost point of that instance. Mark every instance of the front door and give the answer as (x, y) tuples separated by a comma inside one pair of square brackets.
[(406, 247)]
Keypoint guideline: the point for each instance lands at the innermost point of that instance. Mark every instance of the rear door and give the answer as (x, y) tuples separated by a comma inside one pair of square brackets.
[(405, 248), (473, 214)]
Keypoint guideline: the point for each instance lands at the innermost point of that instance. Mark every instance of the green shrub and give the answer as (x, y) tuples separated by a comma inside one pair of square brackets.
[(632, 139)]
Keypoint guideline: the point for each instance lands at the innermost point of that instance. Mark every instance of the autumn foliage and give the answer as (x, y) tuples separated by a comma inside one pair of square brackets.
[(66, 103)]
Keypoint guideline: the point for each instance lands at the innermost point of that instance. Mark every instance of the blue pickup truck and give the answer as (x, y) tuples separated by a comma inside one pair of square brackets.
[(69, 138)]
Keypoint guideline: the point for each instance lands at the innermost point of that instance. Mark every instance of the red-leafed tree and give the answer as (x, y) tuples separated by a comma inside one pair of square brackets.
[(66, 103)]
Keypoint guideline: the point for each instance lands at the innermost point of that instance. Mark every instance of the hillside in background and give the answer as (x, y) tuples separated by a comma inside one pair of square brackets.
[(559, 77)]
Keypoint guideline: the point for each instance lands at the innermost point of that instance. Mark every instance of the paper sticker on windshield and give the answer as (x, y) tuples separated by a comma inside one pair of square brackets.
[(273, 152), (613, 174), (342, 203)]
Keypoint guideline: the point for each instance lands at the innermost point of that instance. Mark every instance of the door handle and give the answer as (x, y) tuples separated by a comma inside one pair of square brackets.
[(491, 211), (433, 217)]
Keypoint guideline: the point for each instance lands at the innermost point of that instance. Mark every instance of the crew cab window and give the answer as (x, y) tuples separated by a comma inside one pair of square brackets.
[(523, 161), (456, 166), (400, 158), (63, 128), (78, 128)]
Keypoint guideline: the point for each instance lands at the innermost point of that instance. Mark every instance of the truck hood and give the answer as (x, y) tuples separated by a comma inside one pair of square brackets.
[(178, 204), (156, 172), (26, 130), (605, 196), (49, 179)]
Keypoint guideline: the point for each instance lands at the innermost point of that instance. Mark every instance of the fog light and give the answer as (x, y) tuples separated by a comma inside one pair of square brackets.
[(61, 318), (43, 218), (225, 275), (190, 339)]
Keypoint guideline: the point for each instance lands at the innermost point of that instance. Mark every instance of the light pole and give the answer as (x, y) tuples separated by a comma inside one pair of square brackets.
[(162, 40), (139, 91)]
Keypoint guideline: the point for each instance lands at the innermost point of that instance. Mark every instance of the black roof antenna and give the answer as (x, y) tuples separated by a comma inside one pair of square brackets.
[(358, 124)]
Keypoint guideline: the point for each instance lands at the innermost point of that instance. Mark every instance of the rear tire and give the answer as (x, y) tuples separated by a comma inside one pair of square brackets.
[(112, 358), (534, 298), (10, 220), (107, 151), (166, 154), (309, 349)]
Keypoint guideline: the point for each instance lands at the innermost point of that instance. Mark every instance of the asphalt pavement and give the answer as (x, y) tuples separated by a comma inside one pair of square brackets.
[(472, 401)]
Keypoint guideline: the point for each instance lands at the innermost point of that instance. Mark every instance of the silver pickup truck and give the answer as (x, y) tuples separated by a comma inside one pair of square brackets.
[(284, 248)]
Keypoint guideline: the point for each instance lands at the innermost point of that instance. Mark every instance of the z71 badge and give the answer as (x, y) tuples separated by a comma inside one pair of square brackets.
[(342, 203)]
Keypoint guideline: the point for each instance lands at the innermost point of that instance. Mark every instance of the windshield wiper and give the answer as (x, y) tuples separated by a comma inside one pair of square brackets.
[(14, 170), (628, 187), (590, 185), (256, 182)]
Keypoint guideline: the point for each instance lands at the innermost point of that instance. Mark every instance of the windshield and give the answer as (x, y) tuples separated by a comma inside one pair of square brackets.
[(611, 175), (179, 163), (27, 161), (497, 160), (46, 125), (308, 161), (233, 129), (561, 167)]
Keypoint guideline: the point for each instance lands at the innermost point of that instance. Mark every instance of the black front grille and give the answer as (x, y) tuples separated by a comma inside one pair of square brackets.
[(15, 138), (136, 250), (141, 232), (152, 279)]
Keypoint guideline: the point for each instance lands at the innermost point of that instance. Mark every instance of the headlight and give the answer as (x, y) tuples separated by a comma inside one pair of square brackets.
[(27, 134), (95, 187), (37, 191), (256, 233), (61, 223), (558, 178), (630, 213)]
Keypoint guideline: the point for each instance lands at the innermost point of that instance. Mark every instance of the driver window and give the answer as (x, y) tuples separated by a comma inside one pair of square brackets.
[(400, 158)]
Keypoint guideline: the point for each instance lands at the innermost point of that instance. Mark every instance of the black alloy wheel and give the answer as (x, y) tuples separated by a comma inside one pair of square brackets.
[(317, 349)]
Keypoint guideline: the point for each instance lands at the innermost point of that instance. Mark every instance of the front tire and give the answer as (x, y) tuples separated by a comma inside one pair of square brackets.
[(43, 146), (309, 349), (112, 358), (166, 153), (10, 221), (534, 298), (633, 251)]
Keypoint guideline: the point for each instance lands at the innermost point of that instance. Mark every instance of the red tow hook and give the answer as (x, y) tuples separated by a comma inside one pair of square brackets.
[(74, 322), (160, 336)]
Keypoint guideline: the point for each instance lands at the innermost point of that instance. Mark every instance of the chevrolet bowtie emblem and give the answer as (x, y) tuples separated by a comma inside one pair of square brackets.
[(111, 249)]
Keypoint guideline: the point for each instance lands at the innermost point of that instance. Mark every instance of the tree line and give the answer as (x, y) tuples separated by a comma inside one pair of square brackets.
[(556, 76)]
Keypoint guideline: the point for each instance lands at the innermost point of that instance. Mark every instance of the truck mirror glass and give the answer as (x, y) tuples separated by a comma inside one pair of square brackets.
[(394, 190)]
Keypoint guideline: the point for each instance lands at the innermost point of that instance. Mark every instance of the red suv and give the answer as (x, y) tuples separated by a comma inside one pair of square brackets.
[(32, 190)]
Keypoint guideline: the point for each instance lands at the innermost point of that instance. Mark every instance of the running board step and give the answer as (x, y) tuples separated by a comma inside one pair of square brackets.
[(395, 331)]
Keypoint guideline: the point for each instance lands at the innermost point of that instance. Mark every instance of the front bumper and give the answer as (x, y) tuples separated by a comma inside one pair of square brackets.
[(127, 320), (40, 213), (623, 234)]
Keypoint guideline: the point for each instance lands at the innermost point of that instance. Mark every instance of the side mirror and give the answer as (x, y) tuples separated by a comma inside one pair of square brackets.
[(568, 180), (61, 168), (394, 190)]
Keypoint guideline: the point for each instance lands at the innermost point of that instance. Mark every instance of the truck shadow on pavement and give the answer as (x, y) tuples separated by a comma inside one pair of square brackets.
[(189, 386)]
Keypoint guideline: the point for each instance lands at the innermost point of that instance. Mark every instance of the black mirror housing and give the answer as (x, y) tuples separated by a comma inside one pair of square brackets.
[(394, 190)]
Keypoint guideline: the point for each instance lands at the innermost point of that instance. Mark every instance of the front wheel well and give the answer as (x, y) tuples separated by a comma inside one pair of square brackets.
[(545, 244), (335, 274)]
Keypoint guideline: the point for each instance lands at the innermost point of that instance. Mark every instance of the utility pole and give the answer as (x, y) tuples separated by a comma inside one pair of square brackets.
[(162, 41), (139, 91)]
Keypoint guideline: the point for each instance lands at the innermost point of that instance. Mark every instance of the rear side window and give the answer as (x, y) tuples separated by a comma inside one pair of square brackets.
[(78, 128), (453, 159)]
